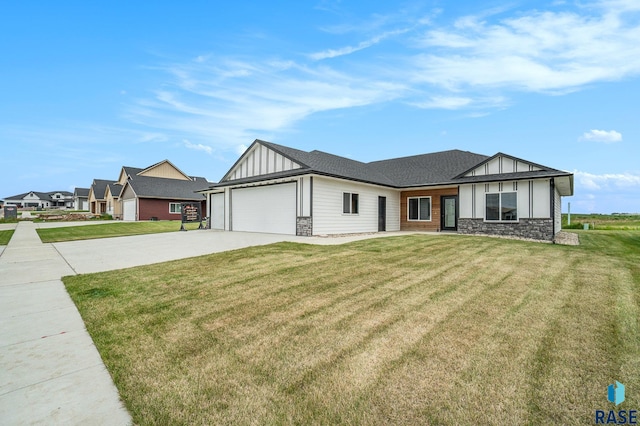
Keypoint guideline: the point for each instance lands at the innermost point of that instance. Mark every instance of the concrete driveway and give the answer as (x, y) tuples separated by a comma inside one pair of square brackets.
[(124, 252)]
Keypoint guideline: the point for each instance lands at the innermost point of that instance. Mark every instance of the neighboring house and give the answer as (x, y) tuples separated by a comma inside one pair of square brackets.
[(158, 191), (97, 194), (277, 189), (54, 199), (112, 199), (81, 199)]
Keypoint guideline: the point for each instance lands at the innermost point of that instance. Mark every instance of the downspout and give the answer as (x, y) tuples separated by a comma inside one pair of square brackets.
[(311, 196), (311, 202), (552, 187)]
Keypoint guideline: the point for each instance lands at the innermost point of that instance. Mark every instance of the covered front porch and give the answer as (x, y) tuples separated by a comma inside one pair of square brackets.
[(429, 209)]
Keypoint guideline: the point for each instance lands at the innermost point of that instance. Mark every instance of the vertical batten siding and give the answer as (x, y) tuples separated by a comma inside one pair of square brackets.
[(502, 165), (327, 207), (304, 209), (261, 161), (466, 201), (524, 200), (533, 198), (227, 209), (541, 201)]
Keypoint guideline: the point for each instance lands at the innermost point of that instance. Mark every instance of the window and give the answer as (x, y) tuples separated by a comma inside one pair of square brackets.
[(175, 208), (349, 203), (419, 208), (502, 206)]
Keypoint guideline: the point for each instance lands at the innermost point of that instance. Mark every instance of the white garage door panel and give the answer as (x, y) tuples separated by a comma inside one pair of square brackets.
[(269, 209), (129, 210), (217, 213)]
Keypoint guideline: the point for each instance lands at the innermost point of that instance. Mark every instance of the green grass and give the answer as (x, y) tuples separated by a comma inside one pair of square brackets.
[(5, 237), (613, 222), (401, 330), (107, 230)]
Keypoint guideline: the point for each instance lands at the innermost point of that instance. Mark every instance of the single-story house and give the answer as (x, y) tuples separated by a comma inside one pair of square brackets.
[(81, 198), (158, 191), (54, 199), (277, 189)]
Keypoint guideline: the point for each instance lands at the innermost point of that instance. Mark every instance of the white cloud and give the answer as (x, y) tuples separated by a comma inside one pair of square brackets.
[(333, 53), (596, 182), (605, 136), (198, 147), (534, 51), (474, 63), (444, 102), (240, 149), (230, 106)]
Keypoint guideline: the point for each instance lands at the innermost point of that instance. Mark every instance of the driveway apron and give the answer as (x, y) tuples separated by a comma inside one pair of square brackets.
[(50, 370)]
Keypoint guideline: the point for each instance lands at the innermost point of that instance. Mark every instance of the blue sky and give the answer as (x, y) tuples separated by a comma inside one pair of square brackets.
[(88, 87)]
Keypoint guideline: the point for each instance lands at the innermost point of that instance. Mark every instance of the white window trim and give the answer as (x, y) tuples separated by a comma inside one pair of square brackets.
[(172, 204), (430, 209), (500, 207), (351, 204)]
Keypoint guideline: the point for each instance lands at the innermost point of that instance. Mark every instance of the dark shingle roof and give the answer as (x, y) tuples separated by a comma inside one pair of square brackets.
[(115, 189), (81, 192), (40, 195), (155, 187), (99, 187), (438, 168), (332, 165), (427, 169)]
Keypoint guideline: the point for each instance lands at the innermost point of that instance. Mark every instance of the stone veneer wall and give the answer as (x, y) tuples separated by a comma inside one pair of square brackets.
[(304, 226), (536, 229)]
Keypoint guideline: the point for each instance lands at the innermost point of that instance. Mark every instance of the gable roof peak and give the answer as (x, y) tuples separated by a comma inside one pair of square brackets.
[(159, 164)]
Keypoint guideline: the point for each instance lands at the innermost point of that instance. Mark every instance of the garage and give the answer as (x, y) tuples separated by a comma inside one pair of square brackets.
[(269, 208), (129, 210)]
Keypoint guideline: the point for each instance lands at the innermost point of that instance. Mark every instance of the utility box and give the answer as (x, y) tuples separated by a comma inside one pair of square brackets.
[(11, 212), (585, 226)]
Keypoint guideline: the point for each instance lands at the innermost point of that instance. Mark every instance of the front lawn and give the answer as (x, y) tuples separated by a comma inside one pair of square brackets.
[(400, 330), (5, 237), (107, 230)]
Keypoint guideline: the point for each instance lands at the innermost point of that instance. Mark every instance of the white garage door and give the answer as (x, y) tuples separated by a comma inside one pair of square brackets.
[(129, 210), (217, 211), (270, 208)]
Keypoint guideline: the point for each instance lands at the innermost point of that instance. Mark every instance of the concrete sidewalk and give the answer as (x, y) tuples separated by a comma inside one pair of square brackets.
[(50, 370)]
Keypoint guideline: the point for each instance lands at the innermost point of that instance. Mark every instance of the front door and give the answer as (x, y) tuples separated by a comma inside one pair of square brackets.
[(382, 214), (448, 213)]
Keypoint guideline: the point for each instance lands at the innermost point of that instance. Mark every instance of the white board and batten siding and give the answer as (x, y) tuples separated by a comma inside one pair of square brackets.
[(557, 214), (502, 164), (533, 198), (259, 161), (328, 217), (217, 211)]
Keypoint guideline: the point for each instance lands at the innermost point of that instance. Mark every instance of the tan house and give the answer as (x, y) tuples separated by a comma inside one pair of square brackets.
[(97, 193), (112, 198)]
